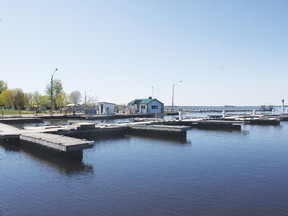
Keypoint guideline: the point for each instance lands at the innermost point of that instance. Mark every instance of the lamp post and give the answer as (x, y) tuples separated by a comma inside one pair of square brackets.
[(51, 92), (173, 94)]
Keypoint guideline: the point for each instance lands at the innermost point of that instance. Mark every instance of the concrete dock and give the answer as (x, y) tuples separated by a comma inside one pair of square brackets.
[(61, 139), (83, 130), (50, 141), (9, 132), (255, 119), (207, 124), (18, 119), (57, 142), (217, 125), (171, 131), (95, 131)]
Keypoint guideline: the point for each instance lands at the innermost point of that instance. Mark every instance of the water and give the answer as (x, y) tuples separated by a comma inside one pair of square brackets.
[(213, 173)]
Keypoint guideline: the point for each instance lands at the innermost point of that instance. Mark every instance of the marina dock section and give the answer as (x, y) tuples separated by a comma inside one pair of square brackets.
[(9, 132), (158, 130), (255, 119), (56, 142), (206, 124), (71, 138), (67, 146)]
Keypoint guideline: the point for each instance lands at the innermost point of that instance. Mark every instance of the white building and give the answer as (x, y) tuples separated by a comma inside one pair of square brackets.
[(106, 108), (147, 106)]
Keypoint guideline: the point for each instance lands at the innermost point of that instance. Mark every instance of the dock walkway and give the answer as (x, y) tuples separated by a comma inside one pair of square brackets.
[(51, 141), (161, 128), (9, 132), (57, 142)]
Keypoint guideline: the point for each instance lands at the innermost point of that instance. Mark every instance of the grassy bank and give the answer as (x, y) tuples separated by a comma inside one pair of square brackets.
[(15, 112)]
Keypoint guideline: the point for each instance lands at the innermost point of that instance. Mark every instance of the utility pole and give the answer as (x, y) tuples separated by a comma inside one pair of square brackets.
[(173, 94), (51, 92)]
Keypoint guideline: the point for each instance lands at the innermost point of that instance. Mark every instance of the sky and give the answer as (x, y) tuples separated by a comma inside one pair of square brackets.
[(225, 52)]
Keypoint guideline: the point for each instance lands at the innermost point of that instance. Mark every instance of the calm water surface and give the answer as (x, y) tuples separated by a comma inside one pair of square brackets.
[(213, 173)]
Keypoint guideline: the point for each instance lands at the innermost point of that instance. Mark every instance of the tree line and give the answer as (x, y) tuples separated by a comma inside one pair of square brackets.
[(19, 100)]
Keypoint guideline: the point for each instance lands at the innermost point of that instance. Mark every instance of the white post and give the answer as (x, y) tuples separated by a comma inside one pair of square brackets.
[(173, 94), (180, 115)]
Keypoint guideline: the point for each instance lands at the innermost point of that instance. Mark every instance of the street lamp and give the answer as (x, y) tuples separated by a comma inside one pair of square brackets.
[(173, 94), (51, 92)]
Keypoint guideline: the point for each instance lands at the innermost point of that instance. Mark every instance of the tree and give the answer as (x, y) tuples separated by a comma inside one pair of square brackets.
[(33, 100), (57, 89), (92, 101), (29, 99), (7, 98), (3, 86), (36, 98), (1, 101), (75, 97), (61, 101), (26, 100), (2, 104), (44, 101), (18, 98)]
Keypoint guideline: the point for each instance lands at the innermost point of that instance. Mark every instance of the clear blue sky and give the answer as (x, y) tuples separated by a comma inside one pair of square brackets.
[(225, 51)]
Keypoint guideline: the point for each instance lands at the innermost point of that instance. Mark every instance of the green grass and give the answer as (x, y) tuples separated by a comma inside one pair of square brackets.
[(15, 112)]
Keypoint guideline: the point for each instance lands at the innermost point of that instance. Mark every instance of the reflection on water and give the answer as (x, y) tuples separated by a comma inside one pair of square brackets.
[(213, 173), (9, 146), (164, 140), (45, 157)]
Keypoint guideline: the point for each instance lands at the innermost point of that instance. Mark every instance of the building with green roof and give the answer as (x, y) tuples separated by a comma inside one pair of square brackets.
[(146, 105)]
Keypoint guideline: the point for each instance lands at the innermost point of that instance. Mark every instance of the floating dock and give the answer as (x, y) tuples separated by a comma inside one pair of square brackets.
[(83, 130), (255, 119), (57, 143), (21, 119), (176, 132), (62, 139), (9, 132), (208, 124), (217, 125)]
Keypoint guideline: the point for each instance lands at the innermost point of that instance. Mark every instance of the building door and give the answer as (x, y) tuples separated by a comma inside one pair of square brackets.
[(102, 109)]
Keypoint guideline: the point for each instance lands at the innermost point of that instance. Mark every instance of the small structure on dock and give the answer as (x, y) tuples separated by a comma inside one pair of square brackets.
[(106, 108), (148, 106)]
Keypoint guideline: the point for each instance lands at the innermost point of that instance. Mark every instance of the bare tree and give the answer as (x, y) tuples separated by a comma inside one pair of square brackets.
[(92, 101), (75, 97), (36, 98)]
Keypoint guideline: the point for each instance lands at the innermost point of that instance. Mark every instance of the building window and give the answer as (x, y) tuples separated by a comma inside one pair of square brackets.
[(154, 107), (143, 107)]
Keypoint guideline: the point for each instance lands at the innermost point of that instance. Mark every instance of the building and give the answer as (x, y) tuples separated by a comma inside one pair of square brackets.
[(106, 108), (147, 106)]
